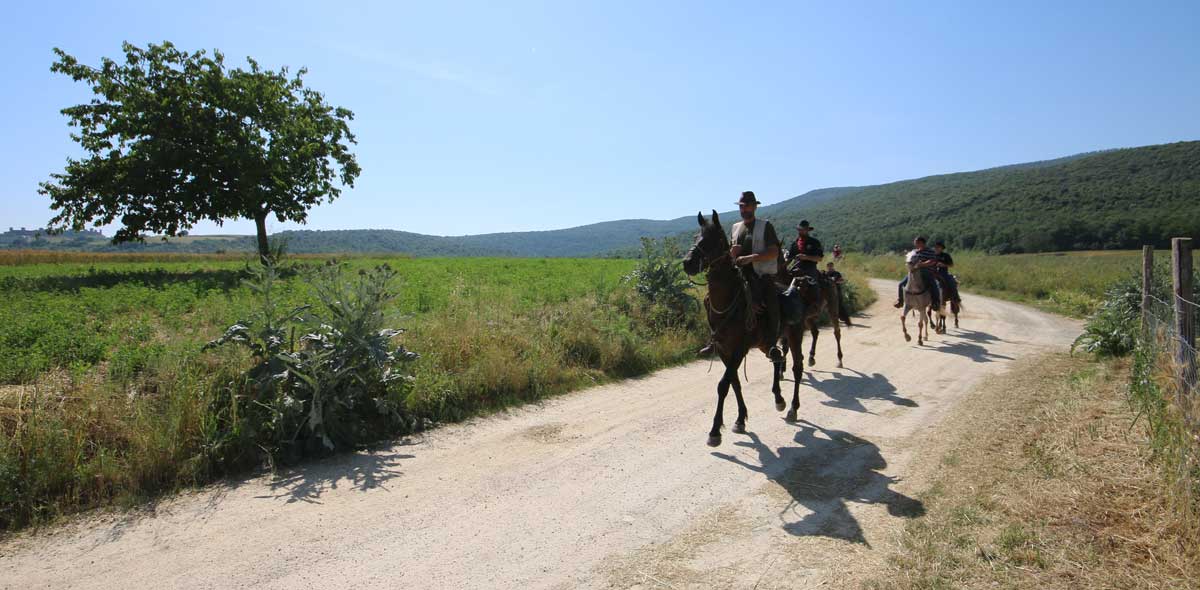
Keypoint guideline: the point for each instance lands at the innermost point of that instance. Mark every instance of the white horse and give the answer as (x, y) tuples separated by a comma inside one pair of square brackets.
[(917, 297)]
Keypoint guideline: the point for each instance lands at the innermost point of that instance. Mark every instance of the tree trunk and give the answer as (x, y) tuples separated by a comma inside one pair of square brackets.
[(264, 248)]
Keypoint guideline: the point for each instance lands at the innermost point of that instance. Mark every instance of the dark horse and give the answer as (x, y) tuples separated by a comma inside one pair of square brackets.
[(734, 331), (824, 297), (951, 299)]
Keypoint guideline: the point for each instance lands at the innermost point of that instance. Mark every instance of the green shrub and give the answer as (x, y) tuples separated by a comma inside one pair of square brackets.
[(659, 279), (1112, 329), (328, 389)]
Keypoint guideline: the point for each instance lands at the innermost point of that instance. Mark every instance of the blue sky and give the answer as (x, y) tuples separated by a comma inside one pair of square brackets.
[(499, 116)]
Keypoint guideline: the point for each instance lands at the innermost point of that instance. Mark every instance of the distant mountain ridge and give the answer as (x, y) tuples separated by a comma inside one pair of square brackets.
[(1119, 198)]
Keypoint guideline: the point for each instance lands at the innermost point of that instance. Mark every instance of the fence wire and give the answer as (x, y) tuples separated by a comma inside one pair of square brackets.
[(1175, 357)]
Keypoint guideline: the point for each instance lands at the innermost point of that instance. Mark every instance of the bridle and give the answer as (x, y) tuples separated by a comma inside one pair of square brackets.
[(707, 264)]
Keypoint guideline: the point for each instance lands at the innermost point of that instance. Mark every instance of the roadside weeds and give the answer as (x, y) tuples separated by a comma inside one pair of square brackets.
[(1043, 480)]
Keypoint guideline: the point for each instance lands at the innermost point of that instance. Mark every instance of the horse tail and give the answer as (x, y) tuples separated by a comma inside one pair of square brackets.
[(842, 313)]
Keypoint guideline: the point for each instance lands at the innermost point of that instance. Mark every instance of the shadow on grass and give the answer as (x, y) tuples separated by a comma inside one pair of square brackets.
[(828, 470)]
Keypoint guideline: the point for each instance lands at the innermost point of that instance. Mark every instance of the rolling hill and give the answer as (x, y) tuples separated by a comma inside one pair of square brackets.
[(1112, 199)]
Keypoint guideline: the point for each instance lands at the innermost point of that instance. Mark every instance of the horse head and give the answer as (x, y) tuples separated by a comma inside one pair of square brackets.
[(709, 245)]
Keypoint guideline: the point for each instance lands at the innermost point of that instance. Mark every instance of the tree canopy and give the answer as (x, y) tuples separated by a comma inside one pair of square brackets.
[(172, 138)]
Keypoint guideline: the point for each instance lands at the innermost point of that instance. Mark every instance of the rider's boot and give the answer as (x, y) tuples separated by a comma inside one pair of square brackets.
[(707, 350)]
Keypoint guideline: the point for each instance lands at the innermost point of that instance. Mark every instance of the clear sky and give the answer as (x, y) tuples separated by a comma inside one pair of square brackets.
[(498, 116)]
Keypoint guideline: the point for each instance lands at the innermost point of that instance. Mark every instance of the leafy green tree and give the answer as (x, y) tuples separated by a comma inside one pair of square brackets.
[(172, 138)]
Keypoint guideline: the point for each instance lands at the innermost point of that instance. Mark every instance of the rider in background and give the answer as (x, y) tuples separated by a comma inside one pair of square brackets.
[(834, 276), (925, 259), (837, 253), (804, 253), (944, 263)]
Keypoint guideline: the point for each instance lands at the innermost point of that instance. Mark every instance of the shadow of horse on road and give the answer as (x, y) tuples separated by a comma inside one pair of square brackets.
[(827, 470)]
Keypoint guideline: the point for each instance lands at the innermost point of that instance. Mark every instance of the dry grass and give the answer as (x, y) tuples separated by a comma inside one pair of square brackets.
[(1045, 482)]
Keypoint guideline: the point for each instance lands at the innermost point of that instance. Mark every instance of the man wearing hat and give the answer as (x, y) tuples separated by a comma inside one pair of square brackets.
[(804, 254), (756, 251)]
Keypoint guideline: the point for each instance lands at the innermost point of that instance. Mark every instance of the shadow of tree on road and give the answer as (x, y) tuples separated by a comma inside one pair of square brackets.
[(827, 470)]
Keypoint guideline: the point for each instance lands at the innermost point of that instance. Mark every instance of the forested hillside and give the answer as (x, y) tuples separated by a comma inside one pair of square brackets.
[(1116, 199)]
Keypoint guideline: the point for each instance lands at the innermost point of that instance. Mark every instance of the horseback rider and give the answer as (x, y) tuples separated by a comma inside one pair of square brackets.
[(804, 254), (802, 257), (756, 251), (833, 275), (944, 263), (925, 259)]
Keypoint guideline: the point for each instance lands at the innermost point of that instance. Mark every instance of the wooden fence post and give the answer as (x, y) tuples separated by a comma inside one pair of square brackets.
[(1147, 281), (1181, 272)]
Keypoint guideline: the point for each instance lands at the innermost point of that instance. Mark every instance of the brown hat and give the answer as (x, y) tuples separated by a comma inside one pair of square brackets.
[(747, 199)]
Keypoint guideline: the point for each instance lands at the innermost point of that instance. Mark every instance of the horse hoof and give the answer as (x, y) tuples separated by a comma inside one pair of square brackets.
[(907, 338), (714, 441), (739, 428), (812, 361), (840, 364), (791, 417), (780, 406)]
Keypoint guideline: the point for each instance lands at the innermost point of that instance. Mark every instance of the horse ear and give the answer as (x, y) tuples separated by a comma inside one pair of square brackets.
[(700, 218), (716, 220)]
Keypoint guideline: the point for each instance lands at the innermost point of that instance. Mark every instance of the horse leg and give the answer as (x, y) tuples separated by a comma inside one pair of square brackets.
[(797, 376), (739, 426), (812, 348), (781, 370), (904, 325), (921, 327), (714, 435), (837, 336)]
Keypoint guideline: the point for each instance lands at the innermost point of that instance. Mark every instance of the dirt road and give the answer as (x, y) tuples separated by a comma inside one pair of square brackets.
[(608, 487)]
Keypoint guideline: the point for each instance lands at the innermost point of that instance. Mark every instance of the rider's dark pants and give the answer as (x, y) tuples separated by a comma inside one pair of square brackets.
[(762, 291)]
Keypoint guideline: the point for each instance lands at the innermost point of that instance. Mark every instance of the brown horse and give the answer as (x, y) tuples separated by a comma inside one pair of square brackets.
[(826, 299), (730, 317)]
